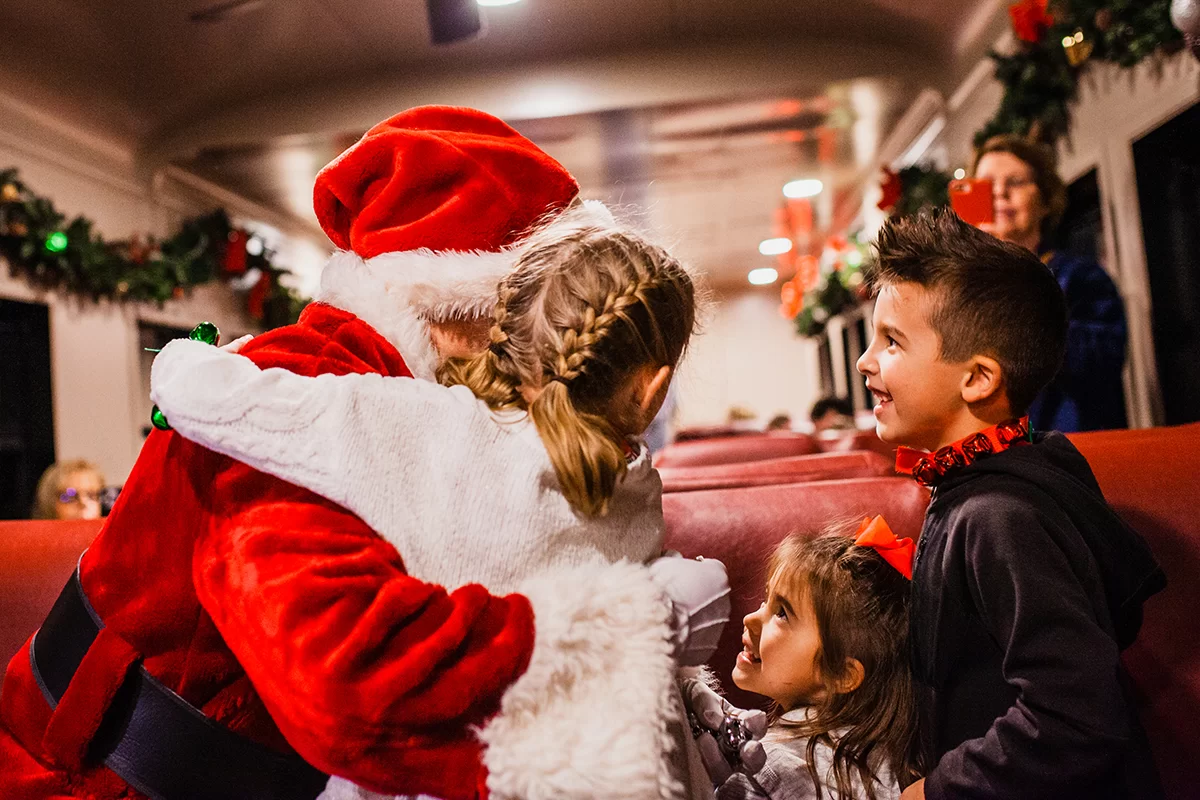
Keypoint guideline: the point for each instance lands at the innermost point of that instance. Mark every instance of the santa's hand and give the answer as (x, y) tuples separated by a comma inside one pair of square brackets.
[(699, 594), (727, 736)]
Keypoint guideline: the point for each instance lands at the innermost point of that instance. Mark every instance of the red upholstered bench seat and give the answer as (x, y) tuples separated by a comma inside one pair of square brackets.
[(819, 467), (736, 449), (36, 558)]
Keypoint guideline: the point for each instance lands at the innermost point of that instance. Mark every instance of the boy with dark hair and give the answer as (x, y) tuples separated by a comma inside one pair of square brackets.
[(1026, 585)]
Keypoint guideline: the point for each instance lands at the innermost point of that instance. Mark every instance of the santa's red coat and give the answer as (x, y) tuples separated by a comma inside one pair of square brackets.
[(278, 614)]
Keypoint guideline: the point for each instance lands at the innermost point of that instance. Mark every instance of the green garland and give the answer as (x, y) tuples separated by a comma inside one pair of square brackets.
[(1039, 81), (50, 252), (921, 186)]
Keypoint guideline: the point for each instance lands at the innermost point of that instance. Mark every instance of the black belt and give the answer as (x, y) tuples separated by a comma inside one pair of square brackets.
[(152, 737)]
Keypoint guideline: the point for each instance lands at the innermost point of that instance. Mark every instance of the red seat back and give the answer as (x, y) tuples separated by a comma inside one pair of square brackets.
[(712, 432), (36, 559), (844, 441), (1151, 478), (741, 527), (819, 467), (735, 449)]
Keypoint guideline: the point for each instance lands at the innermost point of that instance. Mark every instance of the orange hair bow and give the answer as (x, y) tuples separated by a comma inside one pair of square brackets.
[(897, 552)]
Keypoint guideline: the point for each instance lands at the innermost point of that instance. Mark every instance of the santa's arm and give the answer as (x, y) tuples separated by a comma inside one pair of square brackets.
[(369, 673), (335, 435), (392, 682)]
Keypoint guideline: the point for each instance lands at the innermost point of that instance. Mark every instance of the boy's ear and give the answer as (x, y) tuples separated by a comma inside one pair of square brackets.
[(983, 380), (852, 678)]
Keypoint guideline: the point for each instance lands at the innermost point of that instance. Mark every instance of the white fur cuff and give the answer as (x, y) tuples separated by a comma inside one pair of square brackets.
[(592, 716)]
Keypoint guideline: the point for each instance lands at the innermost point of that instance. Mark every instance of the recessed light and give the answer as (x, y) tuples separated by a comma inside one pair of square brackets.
[(489, 3), (809, 187), (775, 247), (959, 174), (763, 276)]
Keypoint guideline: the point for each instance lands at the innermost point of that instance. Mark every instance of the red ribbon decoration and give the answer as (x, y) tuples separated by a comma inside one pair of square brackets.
[(876, 534)]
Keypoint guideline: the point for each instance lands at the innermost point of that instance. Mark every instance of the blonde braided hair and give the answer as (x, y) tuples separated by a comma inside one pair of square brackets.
[(575, 319)]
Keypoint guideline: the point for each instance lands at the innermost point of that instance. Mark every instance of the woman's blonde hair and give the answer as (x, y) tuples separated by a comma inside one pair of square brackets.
[(53, 483), (577, 316)]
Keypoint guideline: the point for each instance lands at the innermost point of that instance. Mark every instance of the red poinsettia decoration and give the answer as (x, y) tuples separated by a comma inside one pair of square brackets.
[(233, 261), (808, 273), (1030, 19), (892, 189), (256, 301), (791, 295)]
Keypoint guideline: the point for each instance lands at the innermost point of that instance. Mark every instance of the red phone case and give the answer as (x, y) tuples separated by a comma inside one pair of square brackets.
[(971, 199)]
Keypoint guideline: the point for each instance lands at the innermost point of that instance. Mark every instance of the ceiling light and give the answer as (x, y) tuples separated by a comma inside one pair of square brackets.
[(763, 276), (453, 20), (804, 188), (497, 2), (959, 174), (774, 247)]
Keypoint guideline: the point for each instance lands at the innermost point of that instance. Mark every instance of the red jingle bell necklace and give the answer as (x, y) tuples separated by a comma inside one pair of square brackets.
[(928, 469)]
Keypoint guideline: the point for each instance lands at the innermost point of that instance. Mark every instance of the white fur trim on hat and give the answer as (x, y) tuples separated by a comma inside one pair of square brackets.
[(398, 293), (596, 713)]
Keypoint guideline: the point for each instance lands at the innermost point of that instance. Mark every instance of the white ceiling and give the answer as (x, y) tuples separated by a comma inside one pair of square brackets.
[(692, 108)]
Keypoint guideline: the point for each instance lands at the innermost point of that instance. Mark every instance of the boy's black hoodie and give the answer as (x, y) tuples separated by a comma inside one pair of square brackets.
[(1026, 587)]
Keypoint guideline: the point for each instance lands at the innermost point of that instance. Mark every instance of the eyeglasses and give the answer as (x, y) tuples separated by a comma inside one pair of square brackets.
[(72, 495), (1013, 184)]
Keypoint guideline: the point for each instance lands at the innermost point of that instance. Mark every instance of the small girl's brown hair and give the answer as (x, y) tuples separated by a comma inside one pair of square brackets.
[(861, 607), (578, 314)]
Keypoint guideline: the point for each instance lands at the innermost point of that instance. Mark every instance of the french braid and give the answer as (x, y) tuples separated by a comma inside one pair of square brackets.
[(574, 320)]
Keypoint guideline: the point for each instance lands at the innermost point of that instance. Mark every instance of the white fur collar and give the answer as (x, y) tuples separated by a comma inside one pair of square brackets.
[(398, 293)]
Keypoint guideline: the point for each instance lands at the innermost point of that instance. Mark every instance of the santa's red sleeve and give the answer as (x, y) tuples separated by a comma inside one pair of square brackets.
[(564, 690), (369, 673)]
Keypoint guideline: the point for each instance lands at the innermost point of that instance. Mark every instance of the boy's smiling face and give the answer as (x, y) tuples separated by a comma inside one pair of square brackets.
[(919, 397)]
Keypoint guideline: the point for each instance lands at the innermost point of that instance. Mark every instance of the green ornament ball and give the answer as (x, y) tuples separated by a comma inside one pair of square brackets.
[(206, 332), (56, 242), (159, 420)]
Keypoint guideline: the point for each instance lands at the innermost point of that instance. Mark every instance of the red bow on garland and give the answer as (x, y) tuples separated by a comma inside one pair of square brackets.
[(892, 188), (1030, 19), (876, 534)]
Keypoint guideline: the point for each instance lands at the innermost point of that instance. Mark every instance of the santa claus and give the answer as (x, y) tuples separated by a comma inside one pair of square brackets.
[(228, 629)]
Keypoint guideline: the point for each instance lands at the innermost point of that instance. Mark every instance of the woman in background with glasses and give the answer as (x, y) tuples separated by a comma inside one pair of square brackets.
[(1028, 201), (69, 490)]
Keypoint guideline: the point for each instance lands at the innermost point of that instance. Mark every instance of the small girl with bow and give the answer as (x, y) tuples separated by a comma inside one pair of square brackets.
[(830, 647)]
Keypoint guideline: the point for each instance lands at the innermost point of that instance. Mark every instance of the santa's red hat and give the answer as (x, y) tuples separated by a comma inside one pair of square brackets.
[(438, 178), (428, 210)]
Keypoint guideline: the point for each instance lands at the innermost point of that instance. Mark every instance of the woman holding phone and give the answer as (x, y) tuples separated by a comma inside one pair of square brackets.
[(1028, 200)]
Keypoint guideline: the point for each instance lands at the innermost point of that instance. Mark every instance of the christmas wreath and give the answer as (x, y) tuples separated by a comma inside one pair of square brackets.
[(1056, 38), (50, 252)]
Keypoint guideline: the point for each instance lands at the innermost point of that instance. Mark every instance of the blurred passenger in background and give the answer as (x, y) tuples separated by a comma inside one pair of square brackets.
[(740, 418), (780, 422), (69, 490), (1028, 199), (832, 414)]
